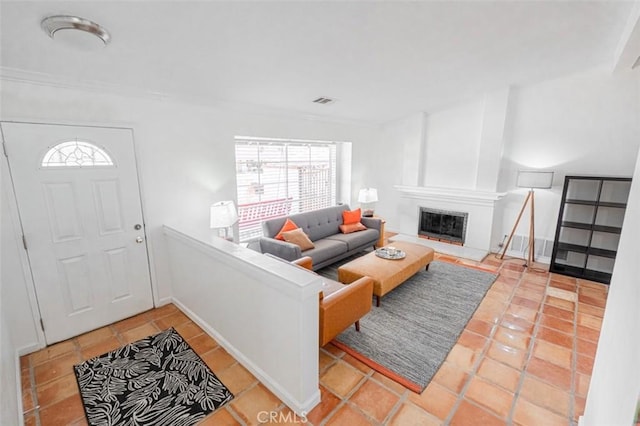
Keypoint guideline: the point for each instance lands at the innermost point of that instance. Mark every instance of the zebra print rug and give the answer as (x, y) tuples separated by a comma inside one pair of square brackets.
[(158, 380)]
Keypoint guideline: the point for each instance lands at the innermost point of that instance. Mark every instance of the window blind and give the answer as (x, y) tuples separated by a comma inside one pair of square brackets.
[(277, 177)]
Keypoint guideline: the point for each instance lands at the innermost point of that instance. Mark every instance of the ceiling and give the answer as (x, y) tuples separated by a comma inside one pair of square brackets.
[(379, 60)]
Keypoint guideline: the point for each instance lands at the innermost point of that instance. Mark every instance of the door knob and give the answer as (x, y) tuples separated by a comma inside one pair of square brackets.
[(139, 239), (137, 227)]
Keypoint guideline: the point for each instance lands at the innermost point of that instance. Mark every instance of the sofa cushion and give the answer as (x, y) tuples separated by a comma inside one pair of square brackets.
[(357, 239), (326, 249), (299, 238), (320, 223), (352, 227), (316, 224), (351, 216), (289, 225)]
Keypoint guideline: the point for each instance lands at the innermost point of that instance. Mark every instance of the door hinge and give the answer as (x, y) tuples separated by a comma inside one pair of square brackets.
[(24, 241), (42, 325)]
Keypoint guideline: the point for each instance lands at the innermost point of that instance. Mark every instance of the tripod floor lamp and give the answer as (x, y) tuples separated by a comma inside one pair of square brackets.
[(532, 180)]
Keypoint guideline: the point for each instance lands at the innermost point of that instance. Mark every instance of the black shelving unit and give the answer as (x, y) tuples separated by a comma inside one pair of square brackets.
[(589, 226)]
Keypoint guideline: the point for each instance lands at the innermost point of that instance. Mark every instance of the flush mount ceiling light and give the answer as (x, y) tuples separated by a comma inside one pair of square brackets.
[(53, 24)]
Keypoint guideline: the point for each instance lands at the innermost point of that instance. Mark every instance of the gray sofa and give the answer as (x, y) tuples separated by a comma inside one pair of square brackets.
[(323, 228)]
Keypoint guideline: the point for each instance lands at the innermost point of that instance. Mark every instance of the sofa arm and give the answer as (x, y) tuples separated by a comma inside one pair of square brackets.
[(344, 307), (281, 249), (371, 222), (305, 261)]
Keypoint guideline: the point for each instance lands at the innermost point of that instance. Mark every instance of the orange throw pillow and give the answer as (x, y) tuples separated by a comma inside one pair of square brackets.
[(353, 227), (289, 225), (299, 238), (351, 216)]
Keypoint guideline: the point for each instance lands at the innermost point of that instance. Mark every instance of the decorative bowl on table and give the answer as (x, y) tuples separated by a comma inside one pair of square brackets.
[(391, 253)]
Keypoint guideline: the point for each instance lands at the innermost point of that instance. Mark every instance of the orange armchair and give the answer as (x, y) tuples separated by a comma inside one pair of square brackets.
[(340, 304)]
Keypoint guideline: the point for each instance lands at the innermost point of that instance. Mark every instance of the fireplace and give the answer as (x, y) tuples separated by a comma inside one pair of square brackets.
[(443, 224)]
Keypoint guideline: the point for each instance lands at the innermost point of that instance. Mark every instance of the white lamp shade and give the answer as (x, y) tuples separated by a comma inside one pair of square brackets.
[(534, 179), (368, 195), (223, 214)]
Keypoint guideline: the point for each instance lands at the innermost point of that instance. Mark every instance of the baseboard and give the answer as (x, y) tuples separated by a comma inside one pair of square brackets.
[(19, 388), (164, 301), (24, 350), (519, 255), (33, 347), (299, 407)]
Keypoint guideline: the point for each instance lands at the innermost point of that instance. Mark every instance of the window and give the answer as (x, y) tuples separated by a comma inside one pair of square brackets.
[(280, 177), (76, 154)]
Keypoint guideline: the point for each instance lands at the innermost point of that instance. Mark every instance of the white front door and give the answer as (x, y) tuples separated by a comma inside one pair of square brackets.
[(79, 203)]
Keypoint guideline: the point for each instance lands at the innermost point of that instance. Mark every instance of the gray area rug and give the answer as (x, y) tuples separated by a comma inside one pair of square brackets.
[(418, 323)]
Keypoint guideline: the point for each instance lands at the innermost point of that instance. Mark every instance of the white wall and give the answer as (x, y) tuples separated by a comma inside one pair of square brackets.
[(14, 276), (452, 146), (185, 157), (496, 107), (262, 311), (409, 135), (583, 124), (457, 149), (393, 160), (10, 406), (615, 382)]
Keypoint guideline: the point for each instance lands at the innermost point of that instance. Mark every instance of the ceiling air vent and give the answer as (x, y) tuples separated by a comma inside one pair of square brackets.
[(323, 101)]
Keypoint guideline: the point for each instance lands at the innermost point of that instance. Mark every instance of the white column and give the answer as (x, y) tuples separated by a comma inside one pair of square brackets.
[(615, 382), (492, 139), (408, 135)]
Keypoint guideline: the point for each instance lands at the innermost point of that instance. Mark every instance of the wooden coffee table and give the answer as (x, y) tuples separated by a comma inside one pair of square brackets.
[(387, 274)]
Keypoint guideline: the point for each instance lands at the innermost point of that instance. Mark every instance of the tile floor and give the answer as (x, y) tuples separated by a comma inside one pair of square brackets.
[(524, 358)]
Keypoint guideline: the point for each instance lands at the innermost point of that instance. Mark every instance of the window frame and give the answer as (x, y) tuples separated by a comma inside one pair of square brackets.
[(289, 203)]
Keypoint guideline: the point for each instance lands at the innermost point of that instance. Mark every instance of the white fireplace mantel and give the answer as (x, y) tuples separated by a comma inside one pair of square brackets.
[(451, 195)]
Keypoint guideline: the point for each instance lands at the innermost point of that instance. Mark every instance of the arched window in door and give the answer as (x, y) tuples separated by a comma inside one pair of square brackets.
[(76, 154)]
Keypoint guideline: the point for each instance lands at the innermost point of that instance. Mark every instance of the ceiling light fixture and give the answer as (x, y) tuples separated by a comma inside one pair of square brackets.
[(52, 24)]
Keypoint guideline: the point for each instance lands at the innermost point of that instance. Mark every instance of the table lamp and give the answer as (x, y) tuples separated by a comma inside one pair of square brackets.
[(367, 197), (223, 216)]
